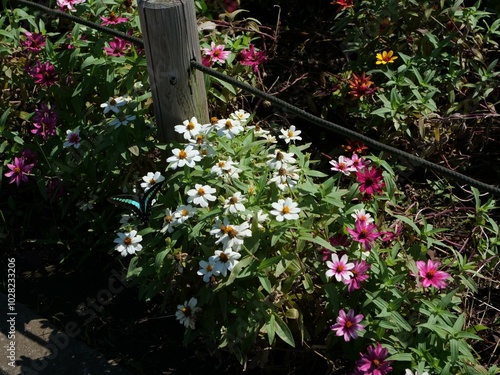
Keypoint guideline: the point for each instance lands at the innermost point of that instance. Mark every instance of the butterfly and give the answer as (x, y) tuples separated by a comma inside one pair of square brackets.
[(140, 205)]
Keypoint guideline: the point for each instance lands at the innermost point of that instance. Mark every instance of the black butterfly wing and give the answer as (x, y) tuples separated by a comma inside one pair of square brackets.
[(130, 202), (141, 206), (147, 199)]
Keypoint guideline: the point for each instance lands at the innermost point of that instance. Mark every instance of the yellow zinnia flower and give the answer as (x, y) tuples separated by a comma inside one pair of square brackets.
[(385, 57)]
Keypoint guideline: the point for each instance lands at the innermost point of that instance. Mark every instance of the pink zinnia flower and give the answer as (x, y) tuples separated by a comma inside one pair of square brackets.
[(374, 363), (44, 121), (364, 233), (214, 54), (113, 19), (343, 165), (44, 74), (429, 274), (117, 47), (340, 268), (358, 275), (348, 325), (18, 171), (68, 4), (34, 41), (252, 58), (358, 162), (370, 180)]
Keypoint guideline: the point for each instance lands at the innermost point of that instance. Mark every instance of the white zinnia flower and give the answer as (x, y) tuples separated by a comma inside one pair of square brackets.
[(285, 209), (207, 269), (188, 156), (189, 128), (201, 194), (113, 104), (169, 221), (409, 372), (233, 204), (362, 215), (128, 243), (151, 179), (225, 260), (279, 158), (122, 120), (291, 134), (228, 128), (284, 177), (241, 115), (232, 236), (182, 213), (186, 313)]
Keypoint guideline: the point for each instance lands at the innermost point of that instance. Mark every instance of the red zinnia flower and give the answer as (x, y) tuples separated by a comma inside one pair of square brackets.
[(117, 47), (370, 180), (44, 121), (34, 41), (18, 171), (252, 58), (344, 4), (360, 86)]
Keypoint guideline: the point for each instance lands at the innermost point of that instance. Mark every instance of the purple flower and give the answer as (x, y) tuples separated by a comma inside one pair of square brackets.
[(34, 41), (374, 363), (348, 325), (44, 74), (29, 156), (18, 171), (44, 121), (117, 47), (252, 58), (339, 268), (358, 275)]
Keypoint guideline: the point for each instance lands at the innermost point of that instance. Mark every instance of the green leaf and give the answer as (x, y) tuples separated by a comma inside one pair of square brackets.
[(264, 281), (284, 332), (271, 329), (308, 283)]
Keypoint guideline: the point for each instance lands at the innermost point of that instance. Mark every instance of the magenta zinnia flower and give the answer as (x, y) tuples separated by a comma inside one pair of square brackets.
[(358, 162), (34, 41), (252, 58), (339, 267), (348, 325), (44, 74), (117, 47), (215, 53), (374, 363), (370, 180), (358, 275), (18, 171), (113, 19), (429, 274), (364, 233), (44, 121)]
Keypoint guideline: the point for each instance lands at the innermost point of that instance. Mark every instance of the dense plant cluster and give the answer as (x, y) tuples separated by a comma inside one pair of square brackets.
[(247, 242), (429, 70)]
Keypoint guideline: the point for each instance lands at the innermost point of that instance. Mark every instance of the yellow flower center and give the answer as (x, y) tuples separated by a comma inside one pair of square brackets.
[(201, 191), (285, 210), (190, 126), (229, 124), (182, 154), (127, 241)]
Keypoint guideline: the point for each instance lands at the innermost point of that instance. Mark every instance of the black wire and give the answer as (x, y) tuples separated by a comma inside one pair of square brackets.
[(82, 21), (414, 160)]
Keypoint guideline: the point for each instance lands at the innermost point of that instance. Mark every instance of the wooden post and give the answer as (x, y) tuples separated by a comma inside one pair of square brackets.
[(170, 37)]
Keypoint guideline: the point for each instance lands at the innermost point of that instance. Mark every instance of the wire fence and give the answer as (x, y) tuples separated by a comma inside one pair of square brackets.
[(287, 107)]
